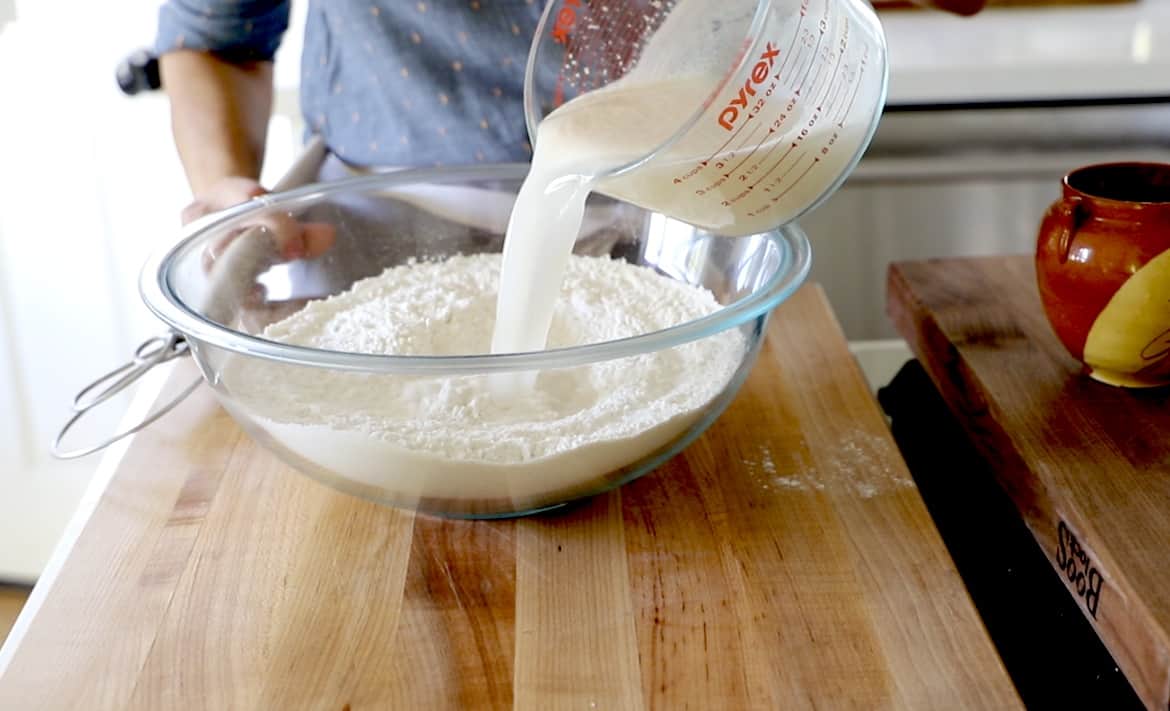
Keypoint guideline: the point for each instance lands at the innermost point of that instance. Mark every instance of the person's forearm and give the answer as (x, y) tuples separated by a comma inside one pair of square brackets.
[(219, 115)]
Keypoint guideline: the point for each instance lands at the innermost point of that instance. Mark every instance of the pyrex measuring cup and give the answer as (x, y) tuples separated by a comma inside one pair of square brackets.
[(763, 106)]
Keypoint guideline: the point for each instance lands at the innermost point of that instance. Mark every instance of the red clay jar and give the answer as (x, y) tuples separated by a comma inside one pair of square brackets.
[(1103, 269)]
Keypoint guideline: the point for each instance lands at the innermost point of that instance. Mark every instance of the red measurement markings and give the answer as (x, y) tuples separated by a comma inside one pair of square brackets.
[(566, 19), (798, 179), (709, 188), (816, 51), (719, 150), (785, 174), (853, 97), (832, 86), (746, 139), (797, 68), (721, 164), (563, 34), (780, 181), (775, 166), (813, 84), (792, 48), (837, 92), (842, 46), (823, 27), (769, 134)]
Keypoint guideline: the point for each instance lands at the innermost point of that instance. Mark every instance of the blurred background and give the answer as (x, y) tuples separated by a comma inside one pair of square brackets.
[(90, 184), (984, 117)]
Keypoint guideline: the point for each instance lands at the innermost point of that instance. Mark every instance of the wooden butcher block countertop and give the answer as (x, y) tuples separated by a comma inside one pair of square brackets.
[(785, 560), (1087, 465)]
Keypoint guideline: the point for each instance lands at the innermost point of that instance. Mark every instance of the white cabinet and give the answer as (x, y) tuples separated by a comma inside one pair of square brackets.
[(960, 182)]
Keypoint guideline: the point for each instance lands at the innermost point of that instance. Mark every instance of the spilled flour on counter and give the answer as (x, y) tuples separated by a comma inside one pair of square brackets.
[(453, 436)]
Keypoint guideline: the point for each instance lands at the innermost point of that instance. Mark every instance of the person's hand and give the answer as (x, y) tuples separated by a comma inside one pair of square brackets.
[(291, 238), (234, 260), (223, 194)]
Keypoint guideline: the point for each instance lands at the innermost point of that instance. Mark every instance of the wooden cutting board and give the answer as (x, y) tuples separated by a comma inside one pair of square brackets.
[(1087, 464), (785, 560), (886, 5)]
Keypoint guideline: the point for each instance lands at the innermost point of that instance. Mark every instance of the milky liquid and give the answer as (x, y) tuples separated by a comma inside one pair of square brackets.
[(736, 169), (578, 142)]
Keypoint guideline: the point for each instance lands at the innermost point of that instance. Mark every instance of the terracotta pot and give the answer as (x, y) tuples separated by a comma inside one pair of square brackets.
[(1103, 268)]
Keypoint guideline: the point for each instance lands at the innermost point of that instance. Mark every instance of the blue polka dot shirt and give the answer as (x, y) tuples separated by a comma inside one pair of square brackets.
[(387, 82)]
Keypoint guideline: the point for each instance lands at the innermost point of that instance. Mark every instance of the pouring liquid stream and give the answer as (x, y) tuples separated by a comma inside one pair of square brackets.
[(766, 143), (580, 142)]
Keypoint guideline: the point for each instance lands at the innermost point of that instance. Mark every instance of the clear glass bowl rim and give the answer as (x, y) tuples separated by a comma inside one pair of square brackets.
[(159, 296)]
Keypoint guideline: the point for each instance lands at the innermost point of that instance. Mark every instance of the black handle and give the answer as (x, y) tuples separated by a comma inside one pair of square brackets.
[(138, 72)]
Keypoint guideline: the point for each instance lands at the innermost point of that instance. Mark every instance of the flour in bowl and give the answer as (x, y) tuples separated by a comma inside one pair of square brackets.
[(453, 437)]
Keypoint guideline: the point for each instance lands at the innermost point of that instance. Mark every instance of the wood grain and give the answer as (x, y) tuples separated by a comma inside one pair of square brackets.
[(575, 640), (1087, 464), (12, 600), (784, 560)]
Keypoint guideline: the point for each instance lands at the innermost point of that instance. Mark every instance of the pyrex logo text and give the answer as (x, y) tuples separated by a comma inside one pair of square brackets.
[(730, 113)]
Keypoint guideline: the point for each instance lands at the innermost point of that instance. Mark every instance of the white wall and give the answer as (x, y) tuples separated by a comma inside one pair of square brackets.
[(89, 185)]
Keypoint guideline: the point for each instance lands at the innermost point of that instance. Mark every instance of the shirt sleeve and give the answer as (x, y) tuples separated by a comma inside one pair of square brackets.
[(237, 30)]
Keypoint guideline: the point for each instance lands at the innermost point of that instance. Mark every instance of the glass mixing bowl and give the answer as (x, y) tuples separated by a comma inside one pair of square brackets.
[(226, 280)]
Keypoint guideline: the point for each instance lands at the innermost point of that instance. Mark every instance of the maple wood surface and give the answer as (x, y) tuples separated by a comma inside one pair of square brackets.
[(1086, 464), (783, 560)]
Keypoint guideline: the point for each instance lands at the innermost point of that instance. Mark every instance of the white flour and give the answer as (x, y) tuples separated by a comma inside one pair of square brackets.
[(450, 437)]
